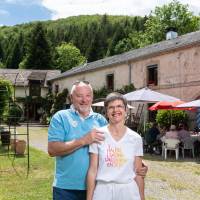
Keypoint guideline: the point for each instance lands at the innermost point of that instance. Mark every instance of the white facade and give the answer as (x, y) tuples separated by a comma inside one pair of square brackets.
[(178, 74), (97, 78)]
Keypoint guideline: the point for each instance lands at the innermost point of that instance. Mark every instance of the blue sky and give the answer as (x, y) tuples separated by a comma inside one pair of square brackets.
[(21, 11)]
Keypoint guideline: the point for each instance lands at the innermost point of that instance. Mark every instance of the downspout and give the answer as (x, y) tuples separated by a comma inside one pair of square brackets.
[(130, 70)]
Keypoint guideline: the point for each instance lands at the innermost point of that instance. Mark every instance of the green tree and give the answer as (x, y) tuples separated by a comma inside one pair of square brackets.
[(168, 117), (1, 53), (16, 54), (59, 101), (93, 35), (173, 15), (6, 90), (102, 36), (38, 54), (118, 35), (68, 56), (2, 65), (14, 114), (91, 46), (123, 46)]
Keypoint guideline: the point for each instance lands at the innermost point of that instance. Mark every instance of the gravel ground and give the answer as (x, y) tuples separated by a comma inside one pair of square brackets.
[(172, 180)]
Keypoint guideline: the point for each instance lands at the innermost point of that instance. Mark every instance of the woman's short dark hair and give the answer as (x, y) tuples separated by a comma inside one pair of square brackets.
[(114, 96)]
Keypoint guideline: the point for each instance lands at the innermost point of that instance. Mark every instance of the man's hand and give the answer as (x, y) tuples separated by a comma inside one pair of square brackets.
[(93, 136), (142, 171)]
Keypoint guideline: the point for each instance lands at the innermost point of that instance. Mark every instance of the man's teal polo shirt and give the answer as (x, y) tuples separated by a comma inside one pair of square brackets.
[(67, 125)]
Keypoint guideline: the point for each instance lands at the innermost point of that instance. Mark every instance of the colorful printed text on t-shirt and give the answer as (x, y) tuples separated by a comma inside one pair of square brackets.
[(114, 157)]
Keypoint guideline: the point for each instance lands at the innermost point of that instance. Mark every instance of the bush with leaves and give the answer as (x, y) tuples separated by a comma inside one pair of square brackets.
[(103, 92), (126, 88), (168, 117), (14, 114), (6, 90), (59, 101)]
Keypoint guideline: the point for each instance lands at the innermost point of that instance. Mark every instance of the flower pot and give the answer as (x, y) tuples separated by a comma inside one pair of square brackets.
[(13, 144), (19, 147)]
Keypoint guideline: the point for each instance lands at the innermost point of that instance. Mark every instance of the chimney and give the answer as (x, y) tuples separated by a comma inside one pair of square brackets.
[(171, 33)]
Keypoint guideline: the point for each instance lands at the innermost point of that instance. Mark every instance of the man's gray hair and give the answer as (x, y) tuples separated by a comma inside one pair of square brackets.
[(80, 83)]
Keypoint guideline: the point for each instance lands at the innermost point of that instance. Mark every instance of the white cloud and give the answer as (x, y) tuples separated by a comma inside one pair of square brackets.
[(65, 8), (4, 12), (10, 1), (23, 2)]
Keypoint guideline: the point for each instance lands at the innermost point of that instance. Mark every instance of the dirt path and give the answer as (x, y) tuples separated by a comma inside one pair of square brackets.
[(37, 137), (40, 144)]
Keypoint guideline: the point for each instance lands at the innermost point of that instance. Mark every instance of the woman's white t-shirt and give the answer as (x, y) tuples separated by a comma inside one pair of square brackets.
[(116, 158)]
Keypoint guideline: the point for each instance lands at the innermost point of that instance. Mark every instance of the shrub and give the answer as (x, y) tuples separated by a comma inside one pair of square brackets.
[(126, 88), (14, 114), (167, 117), (6, 90), (59, 101), (103, 92)]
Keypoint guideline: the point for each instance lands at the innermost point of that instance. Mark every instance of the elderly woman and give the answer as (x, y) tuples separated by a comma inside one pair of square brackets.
[(113, 162)]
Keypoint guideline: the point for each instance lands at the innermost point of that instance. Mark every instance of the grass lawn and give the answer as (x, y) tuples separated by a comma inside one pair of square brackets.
[(14, 183), (166, 180)]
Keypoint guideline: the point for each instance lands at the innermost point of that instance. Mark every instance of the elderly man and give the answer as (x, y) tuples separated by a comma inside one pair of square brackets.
[(70, 132)]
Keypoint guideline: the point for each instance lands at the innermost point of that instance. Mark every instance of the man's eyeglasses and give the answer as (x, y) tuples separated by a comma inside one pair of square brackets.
[(83, 81)]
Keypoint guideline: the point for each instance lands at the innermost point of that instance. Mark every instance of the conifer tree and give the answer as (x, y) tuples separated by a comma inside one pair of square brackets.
[(1, 53), (39, 54), (118, 35), (16, 54)]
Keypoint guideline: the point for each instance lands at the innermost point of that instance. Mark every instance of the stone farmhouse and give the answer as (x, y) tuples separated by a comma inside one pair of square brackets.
[(171, 67), (30, 84)]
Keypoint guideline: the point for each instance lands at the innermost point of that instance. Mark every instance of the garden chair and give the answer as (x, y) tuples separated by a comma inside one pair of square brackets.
[(171, 144), (187, 145)]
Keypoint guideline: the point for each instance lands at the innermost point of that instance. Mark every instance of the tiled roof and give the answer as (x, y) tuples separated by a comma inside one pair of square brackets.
[(154, 49), (35, 75), (20, 77)]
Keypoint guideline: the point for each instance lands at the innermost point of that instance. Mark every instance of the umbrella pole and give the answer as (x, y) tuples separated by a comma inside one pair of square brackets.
[(171, 116), (144, 125), (145, 116)]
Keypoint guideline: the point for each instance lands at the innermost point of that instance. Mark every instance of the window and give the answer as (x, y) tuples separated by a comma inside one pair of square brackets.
[(35, 88), (152, 74), (56, 89), (49, 87), (110, 81)]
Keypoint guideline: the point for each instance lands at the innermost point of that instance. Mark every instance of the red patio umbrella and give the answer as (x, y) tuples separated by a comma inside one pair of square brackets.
[(164, 105)]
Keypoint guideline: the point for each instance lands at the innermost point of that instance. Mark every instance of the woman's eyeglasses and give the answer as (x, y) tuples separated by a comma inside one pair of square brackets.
[(118, 107)]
